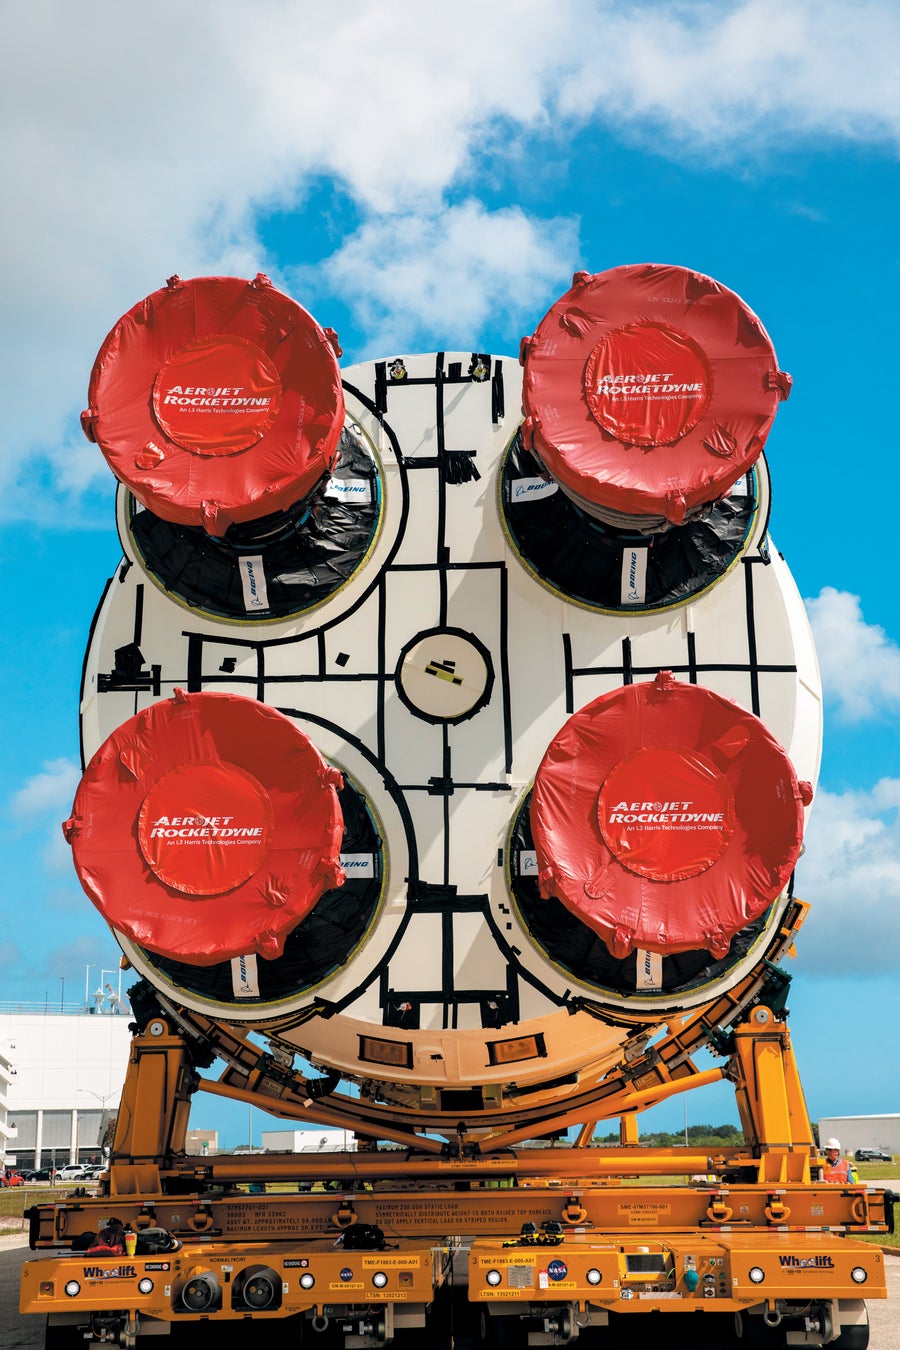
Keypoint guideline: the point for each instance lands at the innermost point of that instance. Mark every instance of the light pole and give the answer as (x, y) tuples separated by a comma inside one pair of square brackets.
[(110, 1096), (62, 993), (87, 985), (102, 1100)]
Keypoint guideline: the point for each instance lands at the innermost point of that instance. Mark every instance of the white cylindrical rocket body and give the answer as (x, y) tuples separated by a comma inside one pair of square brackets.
[(474, 611)]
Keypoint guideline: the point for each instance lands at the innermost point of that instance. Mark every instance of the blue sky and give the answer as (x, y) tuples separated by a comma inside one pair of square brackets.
[(425, 177)]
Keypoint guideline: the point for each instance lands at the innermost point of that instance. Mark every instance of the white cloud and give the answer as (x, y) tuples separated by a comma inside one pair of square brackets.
[(850, 875), (742, 76), (49, 793), (406, 275), (139, 140), (50, 790), (869, 684), (142, 140)]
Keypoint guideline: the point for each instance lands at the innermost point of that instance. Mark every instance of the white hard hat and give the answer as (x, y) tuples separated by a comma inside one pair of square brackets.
[(833, 1143)]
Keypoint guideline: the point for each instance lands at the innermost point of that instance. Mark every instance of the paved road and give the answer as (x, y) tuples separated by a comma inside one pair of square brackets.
[(16, 1333), (675, 1333)]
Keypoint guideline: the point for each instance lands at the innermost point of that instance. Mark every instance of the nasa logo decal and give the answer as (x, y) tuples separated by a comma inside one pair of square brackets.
[(346, 1274), (557, 1270)]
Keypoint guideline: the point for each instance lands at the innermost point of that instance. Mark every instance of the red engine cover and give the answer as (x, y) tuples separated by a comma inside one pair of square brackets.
[(649, 389), (217, 401), (207, 827), (666, 818)]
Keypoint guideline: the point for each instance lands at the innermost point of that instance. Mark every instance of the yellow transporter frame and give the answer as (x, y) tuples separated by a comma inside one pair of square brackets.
[(811, 1285), (560, 1236), (591, 1248), (216, 1282)]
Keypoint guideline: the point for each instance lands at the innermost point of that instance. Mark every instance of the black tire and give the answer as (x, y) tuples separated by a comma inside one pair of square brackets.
[(853, 1338), (62, 1337), (753, 1334), (498, 1333)]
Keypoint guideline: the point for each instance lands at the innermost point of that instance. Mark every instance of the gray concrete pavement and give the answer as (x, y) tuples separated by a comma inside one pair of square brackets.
[(16, 1332)]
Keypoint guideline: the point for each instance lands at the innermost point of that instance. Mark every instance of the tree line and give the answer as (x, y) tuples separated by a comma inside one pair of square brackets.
[(699, 1136)]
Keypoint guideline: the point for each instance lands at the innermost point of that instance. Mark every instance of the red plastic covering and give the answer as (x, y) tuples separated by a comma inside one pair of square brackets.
[(207, 827), (666, 818), (649, 389), (217, 401)]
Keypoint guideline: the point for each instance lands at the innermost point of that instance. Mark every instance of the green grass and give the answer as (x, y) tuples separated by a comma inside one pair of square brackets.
[(878, 1171), (14, 1200), (891, 1240)]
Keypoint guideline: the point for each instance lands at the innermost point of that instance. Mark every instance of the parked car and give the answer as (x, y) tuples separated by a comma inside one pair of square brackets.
[(872, 1155), (45, 1174), (26, 1173), (72, 1172)]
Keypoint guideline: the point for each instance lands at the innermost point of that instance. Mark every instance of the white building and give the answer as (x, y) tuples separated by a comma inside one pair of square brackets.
[(862, 1132), (6, 1131), (314, 1140), (61, 1077)]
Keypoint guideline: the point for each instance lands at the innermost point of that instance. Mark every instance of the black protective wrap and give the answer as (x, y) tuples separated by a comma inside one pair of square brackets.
[(308, 551), (576, 948), (318, 946), (581, 557)]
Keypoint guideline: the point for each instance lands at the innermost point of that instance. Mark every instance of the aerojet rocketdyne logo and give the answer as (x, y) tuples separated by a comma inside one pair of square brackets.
[(647, 383), (670, 834), (221, 842)]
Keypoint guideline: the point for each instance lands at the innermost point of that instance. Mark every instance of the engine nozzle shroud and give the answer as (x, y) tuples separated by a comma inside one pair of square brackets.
[(648, 391), (666, 817), (207, 827), (217, 401)]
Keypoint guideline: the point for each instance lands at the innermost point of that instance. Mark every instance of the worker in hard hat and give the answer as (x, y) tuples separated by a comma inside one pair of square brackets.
[(838, 1169)]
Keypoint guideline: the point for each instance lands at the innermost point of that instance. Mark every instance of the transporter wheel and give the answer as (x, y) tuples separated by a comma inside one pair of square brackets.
[(499, 1332), (753, 1334), (855, 1337), (62, 1337), (752, 1331)]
